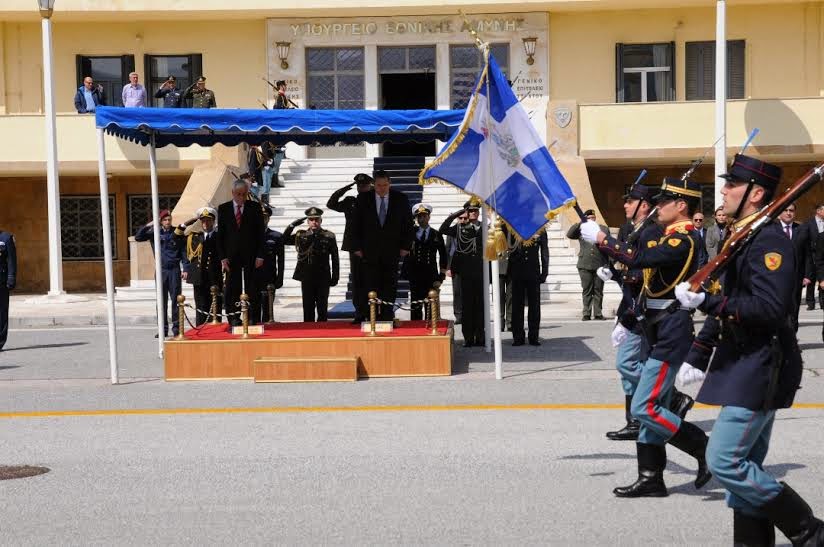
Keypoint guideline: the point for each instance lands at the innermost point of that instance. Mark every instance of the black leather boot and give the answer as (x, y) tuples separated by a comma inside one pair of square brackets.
[(652, 459), (680, 403), (691, 439), (629, 431), (750, 531), (791, 514)]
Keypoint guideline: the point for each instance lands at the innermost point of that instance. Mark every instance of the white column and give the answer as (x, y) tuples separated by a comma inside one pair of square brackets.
[(107, 251), (52, 181), (161, 331), (496, 313), (371, 98), (720, 96), (485, 262)]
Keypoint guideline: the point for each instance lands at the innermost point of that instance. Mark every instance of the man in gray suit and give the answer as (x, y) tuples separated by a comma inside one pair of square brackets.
[(589, 260), (715, 234)]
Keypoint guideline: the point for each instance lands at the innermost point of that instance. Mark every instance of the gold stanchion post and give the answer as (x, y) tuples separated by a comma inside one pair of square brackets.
[(270, 291), (373, 312), (437, 286), (244, 314), (433, 311), (181, 317), (213, 310)]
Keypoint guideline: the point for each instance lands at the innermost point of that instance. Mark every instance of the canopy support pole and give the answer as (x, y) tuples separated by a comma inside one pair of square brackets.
[(496, 312), (161, 330), (720, 98), (107, 251), (484, 234)]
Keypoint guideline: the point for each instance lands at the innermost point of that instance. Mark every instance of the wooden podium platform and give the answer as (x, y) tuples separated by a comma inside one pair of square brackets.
[(401, 353)]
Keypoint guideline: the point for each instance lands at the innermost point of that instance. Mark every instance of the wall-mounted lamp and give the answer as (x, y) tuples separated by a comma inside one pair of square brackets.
[(46, 8), (283, 53), (529, 49)]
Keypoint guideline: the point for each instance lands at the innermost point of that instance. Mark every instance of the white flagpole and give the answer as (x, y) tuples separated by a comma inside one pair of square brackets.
[(484, 234), (107, 252), (720, 97), (496, 313), (161, 331)]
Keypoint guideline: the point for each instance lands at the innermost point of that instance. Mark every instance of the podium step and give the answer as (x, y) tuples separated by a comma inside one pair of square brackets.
[(306, 369)]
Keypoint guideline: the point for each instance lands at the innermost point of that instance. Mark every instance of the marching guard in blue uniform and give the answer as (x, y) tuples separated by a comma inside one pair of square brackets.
[(628, 336), (669, 332), (756, 366)]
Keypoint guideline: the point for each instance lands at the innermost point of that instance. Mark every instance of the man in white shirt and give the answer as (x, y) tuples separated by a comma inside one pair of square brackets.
[(134, 94)]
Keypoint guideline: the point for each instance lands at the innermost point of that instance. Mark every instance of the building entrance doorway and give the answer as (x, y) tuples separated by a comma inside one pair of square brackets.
[(407, 82)]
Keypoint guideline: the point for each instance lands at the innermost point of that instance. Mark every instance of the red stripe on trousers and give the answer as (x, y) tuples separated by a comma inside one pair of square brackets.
[(656, 391)]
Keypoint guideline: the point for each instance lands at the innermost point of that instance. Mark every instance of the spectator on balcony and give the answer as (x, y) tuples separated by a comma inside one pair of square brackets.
[(134, 94), (89, 97), (171, 95)]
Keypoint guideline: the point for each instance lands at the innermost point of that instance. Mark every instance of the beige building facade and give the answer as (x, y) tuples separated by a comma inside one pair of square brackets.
[(616, 86)]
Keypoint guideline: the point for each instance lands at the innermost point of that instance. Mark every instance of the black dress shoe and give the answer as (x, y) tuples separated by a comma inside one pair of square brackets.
[(519, 342), (810, 307), (534, 342), (650, 484), (599, 317), (585, 318)]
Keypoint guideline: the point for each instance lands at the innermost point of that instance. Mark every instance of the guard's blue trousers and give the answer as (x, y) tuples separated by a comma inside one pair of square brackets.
[(628, 360), (738, 445), (650, 402)]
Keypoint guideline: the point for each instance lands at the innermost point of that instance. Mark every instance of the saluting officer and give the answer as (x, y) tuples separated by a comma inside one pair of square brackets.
[(8, 280), (346, 205), (202, 268), (669, 331), (171, 95), (528, 268), (271, 272), (172, 254), (467, 262), (425, 265), (318, 267), (201, 97), (756, 368)]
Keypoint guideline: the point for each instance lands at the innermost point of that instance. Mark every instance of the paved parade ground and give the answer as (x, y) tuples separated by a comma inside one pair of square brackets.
[(461, 460)]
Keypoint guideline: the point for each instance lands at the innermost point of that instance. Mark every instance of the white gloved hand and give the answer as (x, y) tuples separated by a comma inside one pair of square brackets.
[(688, 374), (619, 335), (589, 231), (687, 298), (604, 273)]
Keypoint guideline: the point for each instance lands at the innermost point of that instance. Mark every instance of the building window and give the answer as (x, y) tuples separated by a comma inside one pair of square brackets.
[(335, 78), (110, 72), (81, 227), (644, 72), (139, 208), (404, 59), (185, 68), (700, 70), (465, 63)]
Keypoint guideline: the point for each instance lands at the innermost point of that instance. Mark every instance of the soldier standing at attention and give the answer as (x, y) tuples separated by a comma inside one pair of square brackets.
[(8, 280), (589, 260), (528, 269), (203, 267), (669, 330), (271, 273), (346, 205), (201, 97), (756, 368), (172, 254), (425, 264), (317, 268), (468, 263)]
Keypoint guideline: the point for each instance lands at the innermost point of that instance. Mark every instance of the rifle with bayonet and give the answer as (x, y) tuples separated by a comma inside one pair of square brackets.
[(277, 92)]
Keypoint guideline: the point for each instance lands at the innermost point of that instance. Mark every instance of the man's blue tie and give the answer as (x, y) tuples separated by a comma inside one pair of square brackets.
[(382, 211)]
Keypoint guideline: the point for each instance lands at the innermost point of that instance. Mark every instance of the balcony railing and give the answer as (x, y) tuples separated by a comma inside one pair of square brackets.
[(790, 129), (23, 148)]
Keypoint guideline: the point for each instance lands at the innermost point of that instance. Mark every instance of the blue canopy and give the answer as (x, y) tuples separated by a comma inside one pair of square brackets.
[(206, 127)]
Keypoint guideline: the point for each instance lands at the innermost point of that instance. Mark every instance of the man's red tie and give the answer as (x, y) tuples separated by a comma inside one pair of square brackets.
[(238, 214)]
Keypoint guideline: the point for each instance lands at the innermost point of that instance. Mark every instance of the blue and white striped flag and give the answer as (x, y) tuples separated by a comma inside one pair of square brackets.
[(498, 156)]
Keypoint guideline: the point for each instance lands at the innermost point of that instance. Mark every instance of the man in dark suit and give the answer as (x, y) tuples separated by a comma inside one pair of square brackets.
[(271, 273), (426, 263), (701, 231), (527, 269), (8, 280), (202, 269), (382, 233), (240, 247), (814, 226), (800, 236)]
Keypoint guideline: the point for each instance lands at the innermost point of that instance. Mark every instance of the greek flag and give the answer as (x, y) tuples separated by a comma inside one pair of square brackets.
[(498, 156)]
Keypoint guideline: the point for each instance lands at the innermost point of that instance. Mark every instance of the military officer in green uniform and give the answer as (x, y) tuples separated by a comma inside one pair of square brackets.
[(201, 97), (589, 260), (318, 267)]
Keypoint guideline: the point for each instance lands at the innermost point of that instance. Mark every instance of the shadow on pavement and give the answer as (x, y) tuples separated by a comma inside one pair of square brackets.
[(48, 346)]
